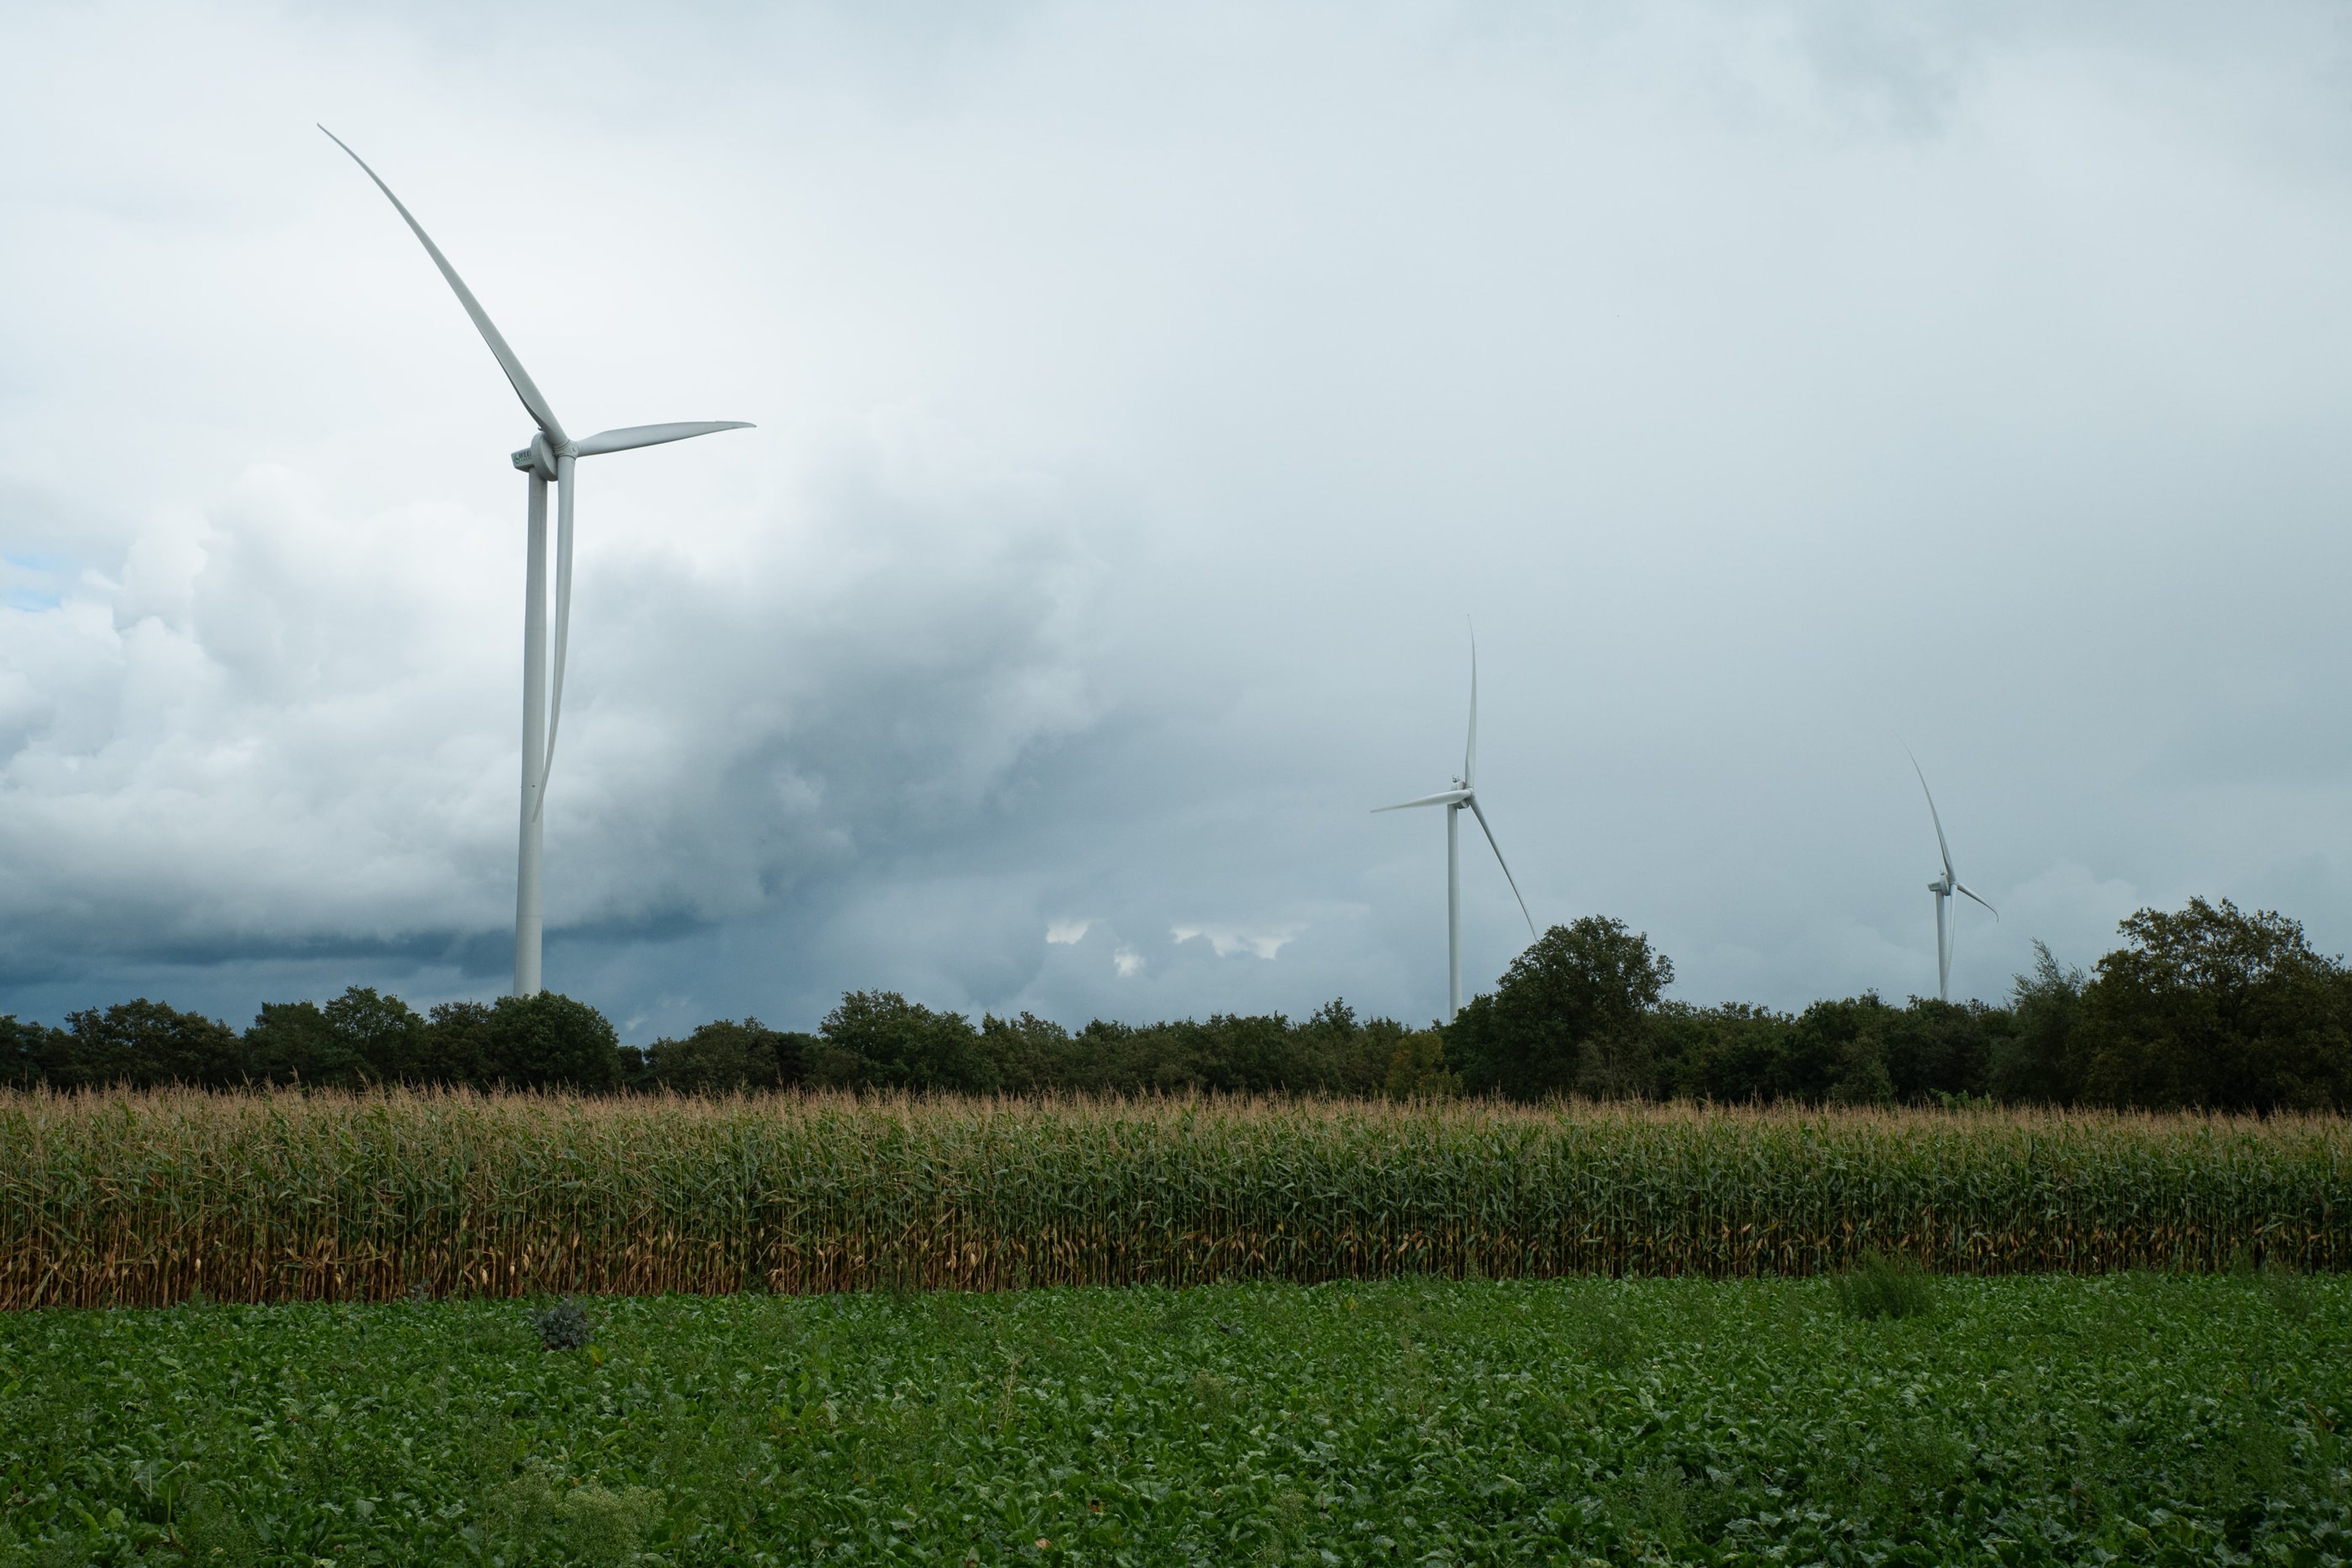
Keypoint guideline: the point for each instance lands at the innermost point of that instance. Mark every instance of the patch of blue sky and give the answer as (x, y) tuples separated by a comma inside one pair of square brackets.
[(45, 591)]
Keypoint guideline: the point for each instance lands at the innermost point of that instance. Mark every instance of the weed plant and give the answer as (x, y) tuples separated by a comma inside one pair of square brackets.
[(1879, 1286), (563, 1325), (2290, 1291)]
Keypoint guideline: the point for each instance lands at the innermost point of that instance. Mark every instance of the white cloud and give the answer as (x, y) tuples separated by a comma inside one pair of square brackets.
[(1127, 962), (1225, 941), (1068, 932)]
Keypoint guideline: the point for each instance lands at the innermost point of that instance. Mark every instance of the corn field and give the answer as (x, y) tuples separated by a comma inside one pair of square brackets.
[(145, 1199)]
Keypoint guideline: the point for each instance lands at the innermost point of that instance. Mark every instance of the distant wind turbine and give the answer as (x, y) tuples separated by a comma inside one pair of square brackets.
[(550, 457), (1943, 886), (1463, 793)]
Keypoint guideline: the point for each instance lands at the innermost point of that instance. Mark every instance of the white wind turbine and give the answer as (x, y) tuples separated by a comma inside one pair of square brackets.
[(550, 457), (1943, 886), (1465, 793)]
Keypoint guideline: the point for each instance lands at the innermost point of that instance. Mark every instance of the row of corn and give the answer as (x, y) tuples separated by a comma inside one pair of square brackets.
[(134, 1199)]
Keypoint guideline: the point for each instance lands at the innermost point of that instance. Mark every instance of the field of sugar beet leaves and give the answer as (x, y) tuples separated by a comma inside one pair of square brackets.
[(2135, 1418)]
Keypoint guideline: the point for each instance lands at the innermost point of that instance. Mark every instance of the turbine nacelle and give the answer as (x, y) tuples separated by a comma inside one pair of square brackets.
[(538, 457)]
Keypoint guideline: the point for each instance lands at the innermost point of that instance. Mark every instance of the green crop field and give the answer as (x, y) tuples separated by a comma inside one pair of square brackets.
[(2135, 1418), (145, 1199)]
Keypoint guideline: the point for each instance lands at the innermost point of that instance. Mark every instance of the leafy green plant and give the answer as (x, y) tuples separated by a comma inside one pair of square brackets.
[(563, 1325), (2290, 1294), (1884, 1286), (1755, 1424), (1182, 1315), (1608, 1339)]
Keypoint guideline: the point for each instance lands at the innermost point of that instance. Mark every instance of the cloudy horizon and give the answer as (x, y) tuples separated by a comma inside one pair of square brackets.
[(1148, 403)]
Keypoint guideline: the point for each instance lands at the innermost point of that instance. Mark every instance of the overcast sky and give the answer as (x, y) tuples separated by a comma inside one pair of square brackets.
[(1149, 399)]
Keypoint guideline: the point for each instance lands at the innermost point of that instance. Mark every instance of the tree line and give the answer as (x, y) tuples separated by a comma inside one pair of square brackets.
[(2204, 1007)]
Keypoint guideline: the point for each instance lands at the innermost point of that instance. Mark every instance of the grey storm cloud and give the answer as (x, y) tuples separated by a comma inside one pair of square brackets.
[(1149, 400)]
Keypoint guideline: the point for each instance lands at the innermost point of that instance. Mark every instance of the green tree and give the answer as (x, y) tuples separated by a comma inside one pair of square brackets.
[(361, 1037), (287, 1043), (900, 1044), (1028, 1054), (1591, 982), (1340, 1053), (1836, 1053), (547, 1041), (1236, 1053), (2212, 1008), (1417, 1068), (27, 1051), (2038, 1061), (722, 1057), (1113, 1057), (1937, 1051), (384, 1033), (146, 1045), (1734, 1053)]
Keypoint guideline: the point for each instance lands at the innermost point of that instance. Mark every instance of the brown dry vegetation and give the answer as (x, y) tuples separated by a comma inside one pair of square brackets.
[(147, 1198)]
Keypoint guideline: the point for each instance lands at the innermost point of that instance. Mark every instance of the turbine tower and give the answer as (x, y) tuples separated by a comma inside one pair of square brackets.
[(1943, 886), (550, 458), (1463, 796)]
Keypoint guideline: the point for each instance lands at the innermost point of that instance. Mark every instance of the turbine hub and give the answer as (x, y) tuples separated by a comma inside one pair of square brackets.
[(538, 457)]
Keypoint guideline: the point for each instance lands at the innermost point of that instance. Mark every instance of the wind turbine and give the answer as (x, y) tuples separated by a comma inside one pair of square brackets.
[(1943, 886), (1465, 793), (551, 456)]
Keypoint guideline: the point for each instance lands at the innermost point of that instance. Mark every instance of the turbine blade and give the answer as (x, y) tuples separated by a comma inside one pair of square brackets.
[(1470, 751), (1972, 893), (565, 472), (634, 436), (1443, 797), (516, 376), (1503, 863), (1934, 817)]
